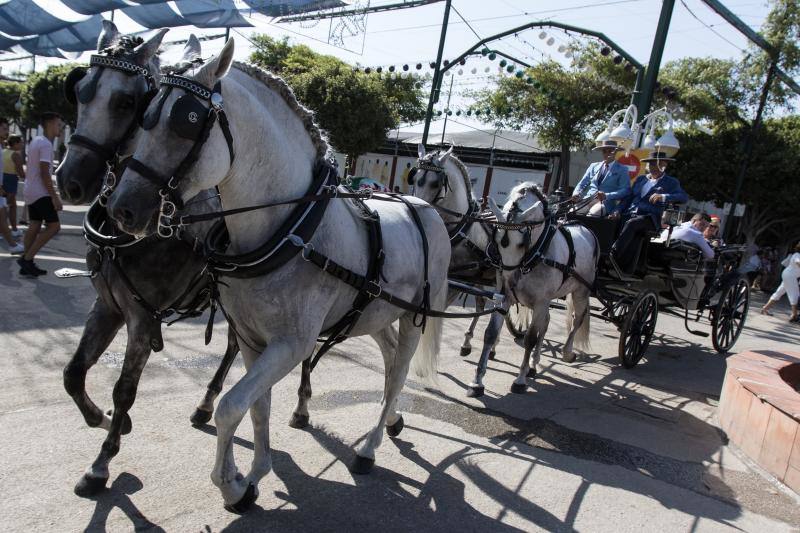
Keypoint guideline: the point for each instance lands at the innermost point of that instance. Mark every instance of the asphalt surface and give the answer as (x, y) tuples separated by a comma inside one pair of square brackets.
[(590, 447)]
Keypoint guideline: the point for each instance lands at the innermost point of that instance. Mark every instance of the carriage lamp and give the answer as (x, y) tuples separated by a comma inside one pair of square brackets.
[(612, 124), (667, 143), (625, 134)]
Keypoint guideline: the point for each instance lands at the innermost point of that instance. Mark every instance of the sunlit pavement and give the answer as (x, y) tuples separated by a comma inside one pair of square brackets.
[(591, 446)]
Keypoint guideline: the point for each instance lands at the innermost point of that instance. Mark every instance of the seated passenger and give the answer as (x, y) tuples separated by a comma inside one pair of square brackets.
[(692, 232), (606, 182), (642, 207), (712, 235)]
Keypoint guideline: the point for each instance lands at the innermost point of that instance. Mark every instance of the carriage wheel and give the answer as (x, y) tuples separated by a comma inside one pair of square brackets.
[(730, 315), (518, 319), (638, 328)]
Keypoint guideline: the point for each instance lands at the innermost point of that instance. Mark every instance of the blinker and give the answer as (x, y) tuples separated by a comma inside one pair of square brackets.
[(187, 117)]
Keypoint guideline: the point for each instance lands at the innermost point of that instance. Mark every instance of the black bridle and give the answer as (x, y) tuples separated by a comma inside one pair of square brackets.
[(106, 152), (189, 119), (533, 253)]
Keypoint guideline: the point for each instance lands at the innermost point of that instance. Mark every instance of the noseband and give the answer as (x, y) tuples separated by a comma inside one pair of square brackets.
[(188, 119), (87, 93)]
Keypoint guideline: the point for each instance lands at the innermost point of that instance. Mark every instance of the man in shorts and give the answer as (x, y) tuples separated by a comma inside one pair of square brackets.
[(40, 195)]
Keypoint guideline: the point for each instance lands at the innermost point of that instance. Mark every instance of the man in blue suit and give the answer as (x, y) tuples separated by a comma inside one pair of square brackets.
[(642, 207), (607, 181)]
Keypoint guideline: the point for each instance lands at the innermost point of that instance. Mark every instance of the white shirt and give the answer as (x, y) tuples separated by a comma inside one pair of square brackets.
[(688, 233), (794, 265), (40, 150)]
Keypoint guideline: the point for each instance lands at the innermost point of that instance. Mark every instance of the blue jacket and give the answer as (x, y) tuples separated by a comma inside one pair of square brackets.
[(616, 185), (636, 203)]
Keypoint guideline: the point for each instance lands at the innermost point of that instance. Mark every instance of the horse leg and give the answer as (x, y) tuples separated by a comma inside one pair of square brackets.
[(527, 368), (264, 371), (386, 340), (101, 328), (300, 416), (533, 341), (202, 414), (466, 347), (136, 355), (490, 337), (396, 373), (577, 323)]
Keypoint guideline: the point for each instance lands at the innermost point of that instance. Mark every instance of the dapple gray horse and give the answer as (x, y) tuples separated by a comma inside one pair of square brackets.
[(442, 180), (526, 218), (278, 316), (138, 279)]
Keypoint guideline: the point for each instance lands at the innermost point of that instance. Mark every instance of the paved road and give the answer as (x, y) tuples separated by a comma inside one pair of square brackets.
[(591, 446)]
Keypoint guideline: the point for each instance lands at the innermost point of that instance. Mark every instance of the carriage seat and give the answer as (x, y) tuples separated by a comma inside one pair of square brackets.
[(604, 229)]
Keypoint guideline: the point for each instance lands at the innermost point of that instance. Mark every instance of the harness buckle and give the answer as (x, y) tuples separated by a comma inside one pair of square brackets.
[(172, 185), (306, 246), (380, 289), (165, 214)]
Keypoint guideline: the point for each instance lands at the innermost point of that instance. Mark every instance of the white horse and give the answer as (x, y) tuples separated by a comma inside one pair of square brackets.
[(274, 150), (535, 279), (442, 180)]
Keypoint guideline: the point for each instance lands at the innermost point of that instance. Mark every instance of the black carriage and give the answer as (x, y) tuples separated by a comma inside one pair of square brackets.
[(669, 277)]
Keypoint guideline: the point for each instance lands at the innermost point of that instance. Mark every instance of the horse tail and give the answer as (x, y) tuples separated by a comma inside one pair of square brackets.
[(425, 362), (582, 338)]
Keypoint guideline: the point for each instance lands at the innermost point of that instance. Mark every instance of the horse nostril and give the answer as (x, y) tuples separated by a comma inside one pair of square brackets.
[(74, 191)]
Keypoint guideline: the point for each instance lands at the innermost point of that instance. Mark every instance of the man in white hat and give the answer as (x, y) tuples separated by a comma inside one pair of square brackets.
[(606, 182), (642, 207)]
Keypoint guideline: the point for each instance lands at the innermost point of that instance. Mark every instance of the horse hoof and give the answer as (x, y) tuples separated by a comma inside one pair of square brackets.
[(474, 391), (200, 417), (395, 429), (532, 373), (362, 465), (568, 358), (245, 503), (519, 388), (465, 351), (298, 421), (89, 486), (491, 355), (127, 425)]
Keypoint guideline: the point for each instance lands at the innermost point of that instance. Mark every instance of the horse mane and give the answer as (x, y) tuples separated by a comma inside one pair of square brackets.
[(279, 85), (124, 47)]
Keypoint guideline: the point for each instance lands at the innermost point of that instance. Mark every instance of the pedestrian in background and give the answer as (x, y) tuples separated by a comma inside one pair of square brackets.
[(13, 172), (40, 195), (788, 286)]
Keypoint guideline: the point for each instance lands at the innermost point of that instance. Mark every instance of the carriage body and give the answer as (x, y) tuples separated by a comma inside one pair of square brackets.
[(670, 277)]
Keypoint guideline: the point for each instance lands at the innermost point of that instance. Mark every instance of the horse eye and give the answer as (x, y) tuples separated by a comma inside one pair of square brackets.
[(436, 184), (125, 102)]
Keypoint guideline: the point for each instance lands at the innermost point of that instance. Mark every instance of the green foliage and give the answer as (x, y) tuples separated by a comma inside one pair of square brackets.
[(561, 106), (9, 95), (44, 91), (356, 109), (708, 166)]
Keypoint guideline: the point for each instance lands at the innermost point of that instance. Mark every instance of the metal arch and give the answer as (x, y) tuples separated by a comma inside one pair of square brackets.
[(439, 73)]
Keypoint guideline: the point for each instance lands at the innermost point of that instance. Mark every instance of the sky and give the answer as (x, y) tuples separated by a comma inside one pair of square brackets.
[(411, 36)]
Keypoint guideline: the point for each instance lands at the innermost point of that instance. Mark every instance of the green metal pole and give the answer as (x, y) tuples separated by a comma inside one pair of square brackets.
[(645, 99), (747, 151), (436, 82)]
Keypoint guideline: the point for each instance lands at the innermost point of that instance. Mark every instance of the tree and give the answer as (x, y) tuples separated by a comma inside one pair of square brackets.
[(708, 164), (356, 109), (44, 91), (9, 96), (563, 107)]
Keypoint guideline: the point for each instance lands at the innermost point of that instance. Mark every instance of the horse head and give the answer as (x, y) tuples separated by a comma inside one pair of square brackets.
[(107, 95), (180, 119), (526, 207), (441, 179)]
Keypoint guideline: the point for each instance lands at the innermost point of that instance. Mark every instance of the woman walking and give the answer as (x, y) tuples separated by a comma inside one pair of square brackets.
[(788, 286)]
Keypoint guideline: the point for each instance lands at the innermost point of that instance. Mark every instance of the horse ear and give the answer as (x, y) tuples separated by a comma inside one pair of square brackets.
[(530, 210), (420, 150), (217, 67), (145, 51), (498, 213), (108, 35), (444, 156), (192, 49)]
